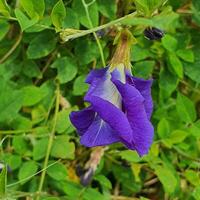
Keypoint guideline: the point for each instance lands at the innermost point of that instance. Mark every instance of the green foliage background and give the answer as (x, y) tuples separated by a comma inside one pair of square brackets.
[(42, 81)]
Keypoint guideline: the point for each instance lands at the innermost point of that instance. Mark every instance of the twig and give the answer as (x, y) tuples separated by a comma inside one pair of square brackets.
[(151, 182), (65, 38), (12, 49), (46, 66), (50, 143)]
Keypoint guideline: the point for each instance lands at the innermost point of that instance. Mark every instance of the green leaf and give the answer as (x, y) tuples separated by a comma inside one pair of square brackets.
[(186, 54), (74, 20), (14, 161), (192, 177), (193, 70), (139, 53), (143, 69), (167, 178), (107, 8), (196, 193), (80, 87), (23, 20), (31, 69), (169, 43), (63, 121), (58, 14), (4, 8), (66, 67), (4, 27), (40, 148), (147, 7), (33, 7), (41, 45), (32, 95), (185, 108), (86, 51), (58, 171), (163, 128), (105, 182), (176, 64), (90, 193), (10, 102), (176, 137), (20, 144), (93, 13), (167, 83), (130, 156), (28, 168), (3, 181), (63, 148)]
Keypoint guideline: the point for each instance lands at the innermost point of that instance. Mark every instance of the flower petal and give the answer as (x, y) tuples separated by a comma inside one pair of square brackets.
[(96, 73), (142, 135), (144, 87), (105, 89), (82, 119), (111, 115), (99, 134)]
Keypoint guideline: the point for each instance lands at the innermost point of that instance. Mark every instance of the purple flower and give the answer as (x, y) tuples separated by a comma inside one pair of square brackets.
[(120, 110)]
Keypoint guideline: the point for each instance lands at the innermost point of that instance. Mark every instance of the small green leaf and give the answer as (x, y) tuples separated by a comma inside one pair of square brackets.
[(57, 171), (163, 128), (167, 178), (3, 181), (40, 148), (63, 122), (23, 20), (107, 8), (20, 145), (192, 177), (58, 14), (176, 64), (80, 87), (66, 67), (186, 54), (185, 108), (4, 8), (28, 168), (105, 182), (32, 95), (63, 148), (169, 43), (41, 45), (130, 156), (33, 7)]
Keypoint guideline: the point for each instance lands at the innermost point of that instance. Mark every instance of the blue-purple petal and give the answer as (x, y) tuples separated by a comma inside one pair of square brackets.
[(144, 87), (96, 73), (111, 115), (142, 129), (82, 119), (99, 134)]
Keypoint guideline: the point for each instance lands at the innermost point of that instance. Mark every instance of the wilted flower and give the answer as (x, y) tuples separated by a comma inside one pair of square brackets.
[(121, 105)]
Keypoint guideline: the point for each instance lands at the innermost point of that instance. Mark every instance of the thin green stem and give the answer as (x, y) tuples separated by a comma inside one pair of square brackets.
[(50, 143), (9, 132), (95, 35), (12, 49), (66, 37), (31, 176)]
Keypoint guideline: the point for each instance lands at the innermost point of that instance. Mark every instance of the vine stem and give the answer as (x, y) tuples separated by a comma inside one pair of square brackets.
[(95, 35), (86, 32), (50, 142), (12, 49)]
